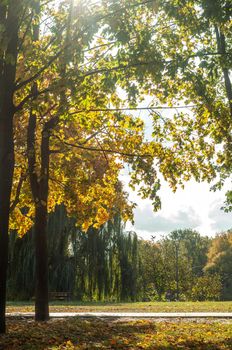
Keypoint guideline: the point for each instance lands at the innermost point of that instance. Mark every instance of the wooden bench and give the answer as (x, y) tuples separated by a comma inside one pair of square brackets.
[(59, 296)]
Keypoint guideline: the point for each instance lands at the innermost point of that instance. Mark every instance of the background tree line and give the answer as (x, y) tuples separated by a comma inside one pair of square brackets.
[(109, 264)]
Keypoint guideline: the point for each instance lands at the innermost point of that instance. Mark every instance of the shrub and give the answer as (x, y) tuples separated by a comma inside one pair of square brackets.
[(206, 288)]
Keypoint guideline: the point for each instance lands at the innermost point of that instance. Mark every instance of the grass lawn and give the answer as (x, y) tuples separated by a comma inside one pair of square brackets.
[(76, 334), (126, 307)]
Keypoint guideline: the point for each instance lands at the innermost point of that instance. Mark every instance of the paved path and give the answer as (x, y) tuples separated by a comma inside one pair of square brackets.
[(129, 314)]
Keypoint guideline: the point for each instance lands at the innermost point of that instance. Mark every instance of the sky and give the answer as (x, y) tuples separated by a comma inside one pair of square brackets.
[(194, 207)]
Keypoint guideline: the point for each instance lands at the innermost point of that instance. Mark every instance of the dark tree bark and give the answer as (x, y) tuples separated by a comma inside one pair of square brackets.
[(6, 176), (9, 19), (39, 188), (41, 250), (40, 192), (41, 257)]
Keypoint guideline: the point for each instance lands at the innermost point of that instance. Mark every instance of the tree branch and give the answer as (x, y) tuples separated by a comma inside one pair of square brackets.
[(95, 149), (18, 190), (129, 109), (40, 71), (31, 156)]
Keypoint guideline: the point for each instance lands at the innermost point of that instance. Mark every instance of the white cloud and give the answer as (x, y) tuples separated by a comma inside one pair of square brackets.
[(221, 221), (194, 207)]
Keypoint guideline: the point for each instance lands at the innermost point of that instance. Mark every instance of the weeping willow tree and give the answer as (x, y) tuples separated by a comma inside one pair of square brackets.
[(101, 264), (21, 278), (21, 267), (111, 263)]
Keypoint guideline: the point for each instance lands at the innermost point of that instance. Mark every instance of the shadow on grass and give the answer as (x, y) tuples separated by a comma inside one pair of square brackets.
[(74, 333)]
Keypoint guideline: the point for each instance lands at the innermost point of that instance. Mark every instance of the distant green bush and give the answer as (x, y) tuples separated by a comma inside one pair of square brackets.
[(206, 287)]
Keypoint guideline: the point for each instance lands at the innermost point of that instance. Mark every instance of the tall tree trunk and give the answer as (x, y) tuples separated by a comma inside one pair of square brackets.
[(6, 176), (41, 214), (41, 257), (39, 187), (40, 191), (9, 20)]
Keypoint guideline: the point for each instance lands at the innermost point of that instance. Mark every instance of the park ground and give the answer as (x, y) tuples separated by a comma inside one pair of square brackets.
[(98, 333), (92, 334), (207, 306)]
